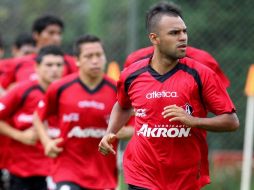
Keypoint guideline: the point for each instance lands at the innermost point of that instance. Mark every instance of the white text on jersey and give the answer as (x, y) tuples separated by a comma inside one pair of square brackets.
[(70, 117), (91, 104), (87, 132), (171, 132), (162, 94)]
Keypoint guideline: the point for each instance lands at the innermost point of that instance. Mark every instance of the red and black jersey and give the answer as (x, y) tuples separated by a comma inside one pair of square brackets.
[(199, 55), (23, 68), (17, 108), (5, 66), (83, 116), (4, 151), (164, 154)]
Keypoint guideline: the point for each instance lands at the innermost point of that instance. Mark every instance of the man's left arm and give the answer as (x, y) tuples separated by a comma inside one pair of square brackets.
[(220, 123)]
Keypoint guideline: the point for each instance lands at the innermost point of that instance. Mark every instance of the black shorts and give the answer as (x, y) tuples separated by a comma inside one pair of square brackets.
[(133, 187), (1, 180), (27, 183), (66, 185)]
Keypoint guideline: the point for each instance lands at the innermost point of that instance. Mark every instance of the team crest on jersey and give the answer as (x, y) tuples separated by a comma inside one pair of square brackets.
[(188, 108)]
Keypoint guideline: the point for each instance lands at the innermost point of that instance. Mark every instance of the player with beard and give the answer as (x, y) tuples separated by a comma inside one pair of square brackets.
[(171, 96)]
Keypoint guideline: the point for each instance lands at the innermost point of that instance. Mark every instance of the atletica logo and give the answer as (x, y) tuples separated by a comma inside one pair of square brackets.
[(87, 132), (91, 104), (171, 132), (163, 94)]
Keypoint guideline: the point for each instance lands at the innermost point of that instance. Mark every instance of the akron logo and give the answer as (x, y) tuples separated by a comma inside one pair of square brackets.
[(188, 108)]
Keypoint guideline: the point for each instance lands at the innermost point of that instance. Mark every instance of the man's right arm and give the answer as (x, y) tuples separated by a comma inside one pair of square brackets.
[(50, 145), (118, 118)]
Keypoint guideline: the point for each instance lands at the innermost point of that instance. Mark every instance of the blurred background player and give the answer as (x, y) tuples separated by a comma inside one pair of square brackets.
[(46, 30), (82, 103), (24, 44), (171, 95), (199, 55), (27, 164)]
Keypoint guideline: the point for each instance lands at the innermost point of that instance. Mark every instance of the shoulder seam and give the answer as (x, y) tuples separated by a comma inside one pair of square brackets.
[(27, 92), (194, 73), (110, 84), (65, 86), (133, 76)]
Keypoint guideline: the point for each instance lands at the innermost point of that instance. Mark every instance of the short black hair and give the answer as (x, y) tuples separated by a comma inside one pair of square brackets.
[(87, 38), (155, 13), (42, 22), (24, 39), (48, 50)]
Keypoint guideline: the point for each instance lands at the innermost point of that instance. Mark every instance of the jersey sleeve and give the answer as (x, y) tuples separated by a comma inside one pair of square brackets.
[(207, 59), (215, 95), (122, 95), (49, 105), (8, 76), (70, 65), (9, 103)]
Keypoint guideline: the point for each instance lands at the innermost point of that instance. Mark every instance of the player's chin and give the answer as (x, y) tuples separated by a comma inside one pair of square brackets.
[(181, 55), (54, 78)]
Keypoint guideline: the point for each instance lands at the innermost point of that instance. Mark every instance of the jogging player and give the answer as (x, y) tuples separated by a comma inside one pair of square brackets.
[(82, 103), (172, 95), (27, 164)]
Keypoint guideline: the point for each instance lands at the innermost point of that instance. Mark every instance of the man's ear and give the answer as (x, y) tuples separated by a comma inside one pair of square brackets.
[(154, 38), (35, 36), (77, 61)]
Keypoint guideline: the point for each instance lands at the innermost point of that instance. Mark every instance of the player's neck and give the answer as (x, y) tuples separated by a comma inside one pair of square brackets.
[(37, 48), (162, 64), (44, 85), (91, 82)]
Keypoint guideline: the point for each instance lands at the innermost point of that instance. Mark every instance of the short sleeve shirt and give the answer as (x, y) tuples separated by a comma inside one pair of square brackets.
[(83, 116), (163, 154)]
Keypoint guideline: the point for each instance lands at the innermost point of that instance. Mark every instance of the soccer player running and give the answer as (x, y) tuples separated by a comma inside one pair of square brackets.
[(171, 96), (28, 166), (82, 103)]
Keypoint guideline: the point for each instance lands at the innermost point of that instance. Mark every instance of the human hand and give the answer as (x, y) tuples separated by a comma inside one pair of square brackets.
[(51, 149), (176, 113), (105, 146), (28, 136)]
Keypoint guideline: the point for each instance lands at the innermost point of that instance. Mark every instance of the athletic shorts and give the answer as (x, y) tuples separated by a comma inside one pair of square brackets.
[(27, 183)]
